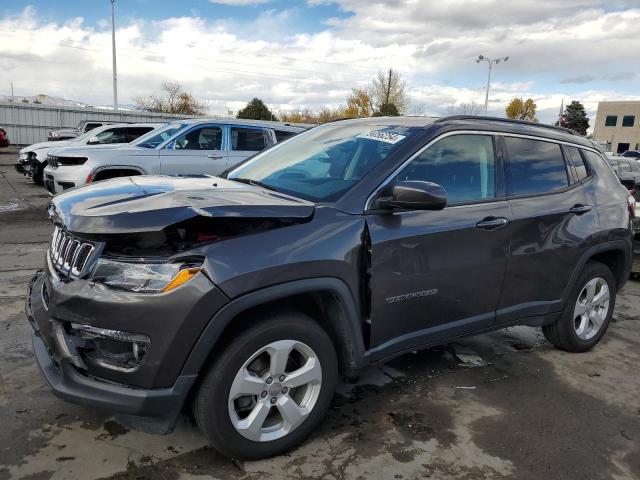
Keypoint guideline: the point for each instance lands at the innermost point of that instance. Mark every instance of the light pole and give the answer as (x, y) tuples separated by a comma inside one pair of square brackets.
[(491, 62), (113, 43)]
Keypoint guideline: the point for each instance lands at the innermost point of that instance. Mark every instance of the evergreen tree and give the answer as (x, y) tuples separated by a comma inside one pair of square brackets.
[(256, 110), (387, 110), (575, 118)]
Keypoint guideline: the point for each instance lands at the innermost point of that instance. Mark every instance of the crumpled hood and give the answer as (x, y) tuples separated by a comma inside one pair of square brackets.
[(151, 203), (41, 145)]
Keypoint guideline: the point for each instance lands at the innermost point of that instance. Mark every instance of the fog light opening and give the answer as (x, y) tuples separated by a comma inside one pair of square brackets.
[(112, 349)]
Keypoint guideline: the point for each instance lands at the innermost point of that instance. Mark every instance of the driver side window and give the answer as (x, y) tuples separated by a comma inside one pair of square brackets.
[(463, 164), (200, 138)]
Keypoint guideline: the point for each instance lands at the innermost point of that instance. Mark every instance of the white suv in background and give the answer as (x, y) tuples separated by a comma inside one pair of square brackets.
[(32, 160), (189, 147)]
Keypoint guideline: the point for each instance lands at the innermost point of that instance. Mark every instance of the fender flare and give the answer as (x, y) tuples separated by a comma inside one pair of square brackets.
[(350, 329), (623, 246)]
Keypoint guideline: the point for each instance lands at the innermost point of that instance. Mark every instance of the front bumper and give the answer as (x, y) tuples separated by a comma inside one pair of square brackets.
[(151, 396)]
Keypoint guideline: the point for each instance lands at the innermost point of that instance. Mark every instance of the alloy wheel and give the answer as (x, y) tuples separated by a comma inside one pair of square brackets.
[(592, 307), (275, 390)]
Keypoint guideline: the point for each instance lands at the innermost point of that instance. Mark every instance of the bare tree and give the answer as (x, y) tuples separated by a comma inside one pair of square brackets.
[(471, 108), (388, 87), (175, 100)]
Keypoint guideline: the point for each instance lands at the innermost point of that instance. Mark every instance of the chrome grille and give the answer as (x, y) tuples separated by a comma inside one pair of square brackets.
[(68, 253)]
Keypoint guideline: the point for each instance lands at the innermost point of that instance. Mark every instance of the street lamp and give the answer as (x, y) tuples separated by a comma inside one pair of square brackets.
[(113, 44), (490, 61)]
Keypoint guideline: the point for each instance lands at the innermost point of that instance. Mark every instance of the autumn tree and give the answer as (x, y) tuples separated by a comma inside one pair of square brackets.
[(575, 118), (359, 104), (388, 87), (522, 109), (174, 100), (256, 110)]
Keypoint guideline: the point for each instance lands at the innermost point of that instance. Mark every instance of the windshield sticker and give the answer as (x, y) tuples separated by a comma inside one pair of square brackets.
[(382, 136)]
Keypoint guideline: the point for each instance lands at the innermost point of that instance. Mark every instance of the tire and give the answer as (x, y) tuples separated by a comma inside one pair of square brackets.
[(214, 407), (38, 175), (567, 333)]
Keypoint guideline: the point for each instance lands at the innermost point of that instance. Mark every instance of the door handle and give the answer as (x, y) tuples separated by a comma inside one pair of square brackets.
[(492, 223), (580, 209), (215, 156)]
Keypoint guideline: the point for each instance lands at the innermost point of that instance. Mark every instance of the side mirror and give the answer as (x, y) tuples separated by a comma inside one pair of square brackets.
[(415, 195), (93, 141)]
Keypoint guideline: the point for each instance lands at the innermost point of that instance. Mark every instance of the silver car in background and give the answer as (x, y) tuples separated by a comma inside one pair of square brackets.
[(189, 147), (32, 160)]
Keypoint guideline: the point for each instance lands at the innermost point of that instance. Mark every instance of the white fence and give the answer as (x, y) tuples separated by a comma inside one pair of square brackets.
[(29, 123)]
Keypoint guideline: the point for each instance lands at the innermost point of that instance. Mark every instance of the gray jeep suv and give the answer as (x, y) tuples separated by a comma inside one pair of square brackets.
[(242, 298)]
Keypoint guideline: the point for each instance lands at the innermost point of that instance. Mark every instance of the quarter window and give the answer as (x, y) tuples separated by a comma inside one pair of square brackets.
[(628, 120), (202, 138), (463, 164), (578, 163), (134, 132), (611, 121), (535, 166)]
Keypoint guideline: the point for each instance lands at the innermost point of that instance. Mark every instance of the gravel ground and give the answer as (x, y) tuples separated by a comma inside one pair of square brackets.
[(501, 405)]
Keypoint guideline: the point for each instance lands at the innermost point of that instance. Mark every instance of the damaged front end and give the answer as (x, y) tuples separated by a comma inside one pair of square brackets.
[(126, 286), (27, 164)]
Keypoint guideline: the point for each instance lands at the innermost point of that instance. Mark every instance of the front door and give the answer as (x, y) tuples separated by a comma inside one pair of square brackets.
[(437, 274), (197, 151)]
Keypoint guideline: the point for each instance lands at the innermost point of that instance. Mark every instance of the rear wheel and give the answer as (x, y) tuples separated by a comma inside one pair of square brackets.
[(588, 311), (267, 391)]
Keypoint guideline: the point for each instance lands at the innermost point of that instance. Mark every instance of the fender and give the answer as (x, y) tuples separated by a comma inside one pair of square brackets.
[(350, 330), (620, 245)]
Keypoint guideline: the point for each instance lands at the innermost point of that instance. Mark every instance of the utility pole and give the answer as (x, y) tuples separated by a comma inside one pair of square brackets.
[(113, 43), (491, 62), (13, 117)]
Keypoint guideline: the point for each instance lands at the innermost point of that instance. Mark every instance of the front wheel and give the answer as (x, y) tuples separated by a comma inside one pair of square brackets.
[(588, 311), (269, 388)]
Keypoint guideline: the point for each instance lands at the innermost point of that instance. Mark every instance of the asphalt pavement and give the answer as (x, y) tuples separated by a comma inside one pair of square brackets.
[(501, 405)]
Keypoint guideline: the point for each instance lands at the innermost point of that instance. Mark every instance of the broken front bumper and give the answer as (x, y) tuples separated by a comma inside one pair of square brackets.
[(146, 397)]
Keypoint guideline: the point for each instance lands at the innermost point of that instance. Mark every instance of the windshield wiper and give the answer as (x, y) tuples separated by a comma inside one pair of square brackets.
[(255, 183)]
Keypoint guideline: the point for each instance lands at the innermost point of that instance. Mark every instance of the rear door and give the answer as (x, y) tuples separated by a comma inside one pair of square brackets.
[(553, 221), (437, 274), (197, 151), (245, 141)]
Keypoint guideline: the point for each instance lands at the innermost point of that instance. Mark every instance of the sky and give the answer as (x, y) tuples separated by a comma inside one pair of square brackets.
[(310, 54)]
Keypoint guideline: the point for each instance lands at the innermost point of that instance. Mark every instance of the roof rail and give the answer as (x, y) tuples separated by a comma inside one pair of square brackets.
[(508, 120)]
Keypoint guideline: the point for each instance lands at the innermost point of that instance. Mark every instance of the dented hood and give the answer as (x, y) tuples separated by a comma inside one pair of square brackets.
[(151, 203)]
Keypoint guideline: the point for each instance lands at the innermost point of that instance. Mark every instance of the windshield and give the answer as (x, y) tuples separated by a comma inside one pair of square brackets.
[(323, 163), (80, 124), (156, 137)]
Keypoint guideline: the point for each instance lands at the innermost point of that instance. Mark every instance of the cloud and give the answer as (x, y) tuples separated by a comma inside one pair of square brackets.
[(239, 3), (226, 62), (578, 79)]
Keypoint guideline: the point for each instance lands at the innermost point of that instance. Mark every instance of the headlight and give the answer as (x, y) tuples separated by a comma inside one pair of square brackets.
[(143, 277)]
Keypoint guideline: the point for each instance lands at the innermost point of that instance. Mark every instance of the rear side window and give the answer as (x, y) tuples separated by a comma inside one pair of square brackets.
[(535, 166), (463, 164), (91, 126), (248, 139), (282, 135), (134, 132), (578, 163)]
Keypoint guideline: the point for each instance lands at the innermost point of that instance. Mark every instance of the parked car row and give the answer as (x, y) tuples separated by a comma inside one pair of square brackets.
[(83, 126), (188, 147)]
